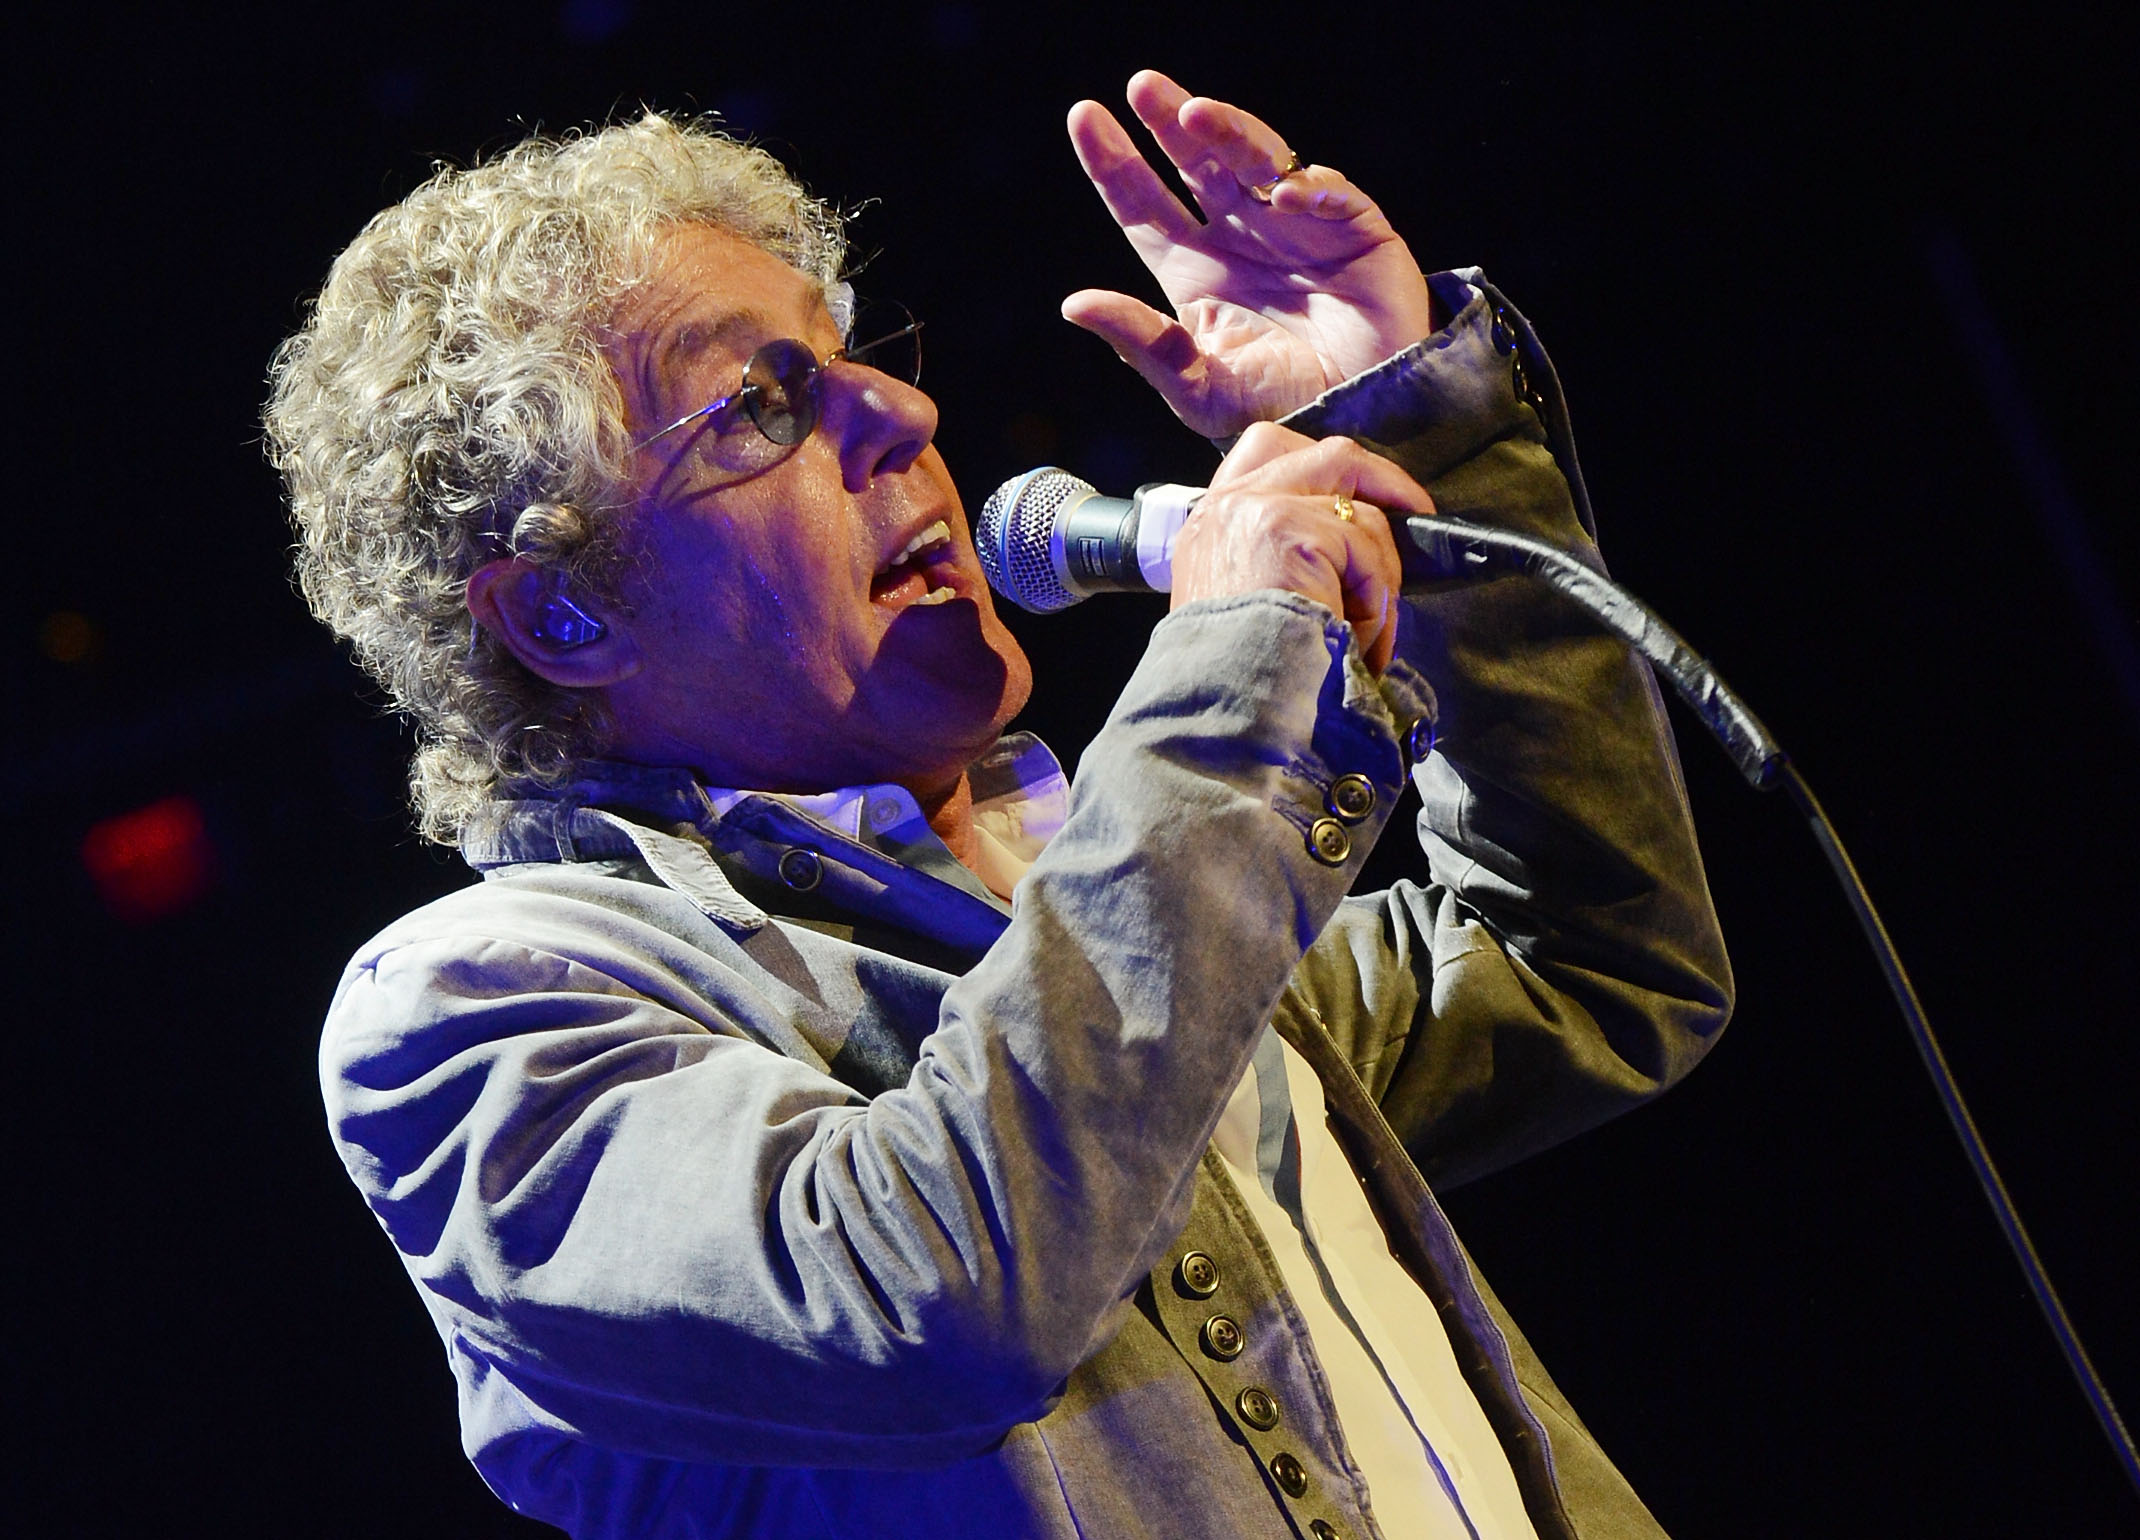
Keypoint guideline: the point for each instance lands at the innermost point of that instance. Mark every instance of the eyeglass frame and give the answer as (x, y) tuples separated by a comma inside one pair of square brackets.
[(812, 386)]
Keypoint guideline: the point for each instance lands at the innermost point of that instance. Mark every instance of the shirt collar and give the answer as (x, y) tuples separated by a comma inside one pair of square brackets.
[(1020, 798)]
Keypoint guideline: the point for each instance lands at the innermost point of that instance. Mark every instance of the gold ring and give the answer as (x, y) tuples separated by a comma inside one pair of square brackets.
[(1261, 191), (1343, 507)]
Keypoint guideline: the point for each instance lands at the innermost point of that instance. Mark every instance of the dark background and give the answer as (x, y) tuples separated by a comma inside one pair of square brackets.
[(1842, 303)]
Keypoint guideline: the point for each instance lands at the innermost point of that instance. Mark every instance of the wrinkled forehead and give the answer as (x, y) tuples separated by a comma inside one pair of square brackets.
[(709, 299), (699, 276)]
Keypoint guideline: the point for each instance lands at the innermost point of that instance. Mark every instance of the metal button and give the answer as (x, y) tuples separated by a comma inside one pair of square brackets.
[(801, 869), (1419, 740), (1328, 842), (1257, 1408), (1323, 1529), (1222, 1337), (1291, 1479), (1197, 1275), (1351, 797), (1504, 331)]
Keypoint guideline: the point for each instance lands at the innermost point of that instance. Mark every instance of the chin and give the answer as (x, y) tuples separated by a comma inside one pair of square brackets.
[(959, 685), (976, 707)]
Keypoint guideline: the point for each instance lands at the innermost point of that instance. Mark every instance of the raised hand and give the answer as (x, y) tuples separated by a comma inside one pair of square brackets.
[(1293, 282)]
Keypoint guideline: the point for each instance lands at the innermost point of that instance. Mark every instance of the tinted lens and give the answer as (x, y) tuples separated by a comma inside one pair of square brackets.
[(780, 391), (886, 337)]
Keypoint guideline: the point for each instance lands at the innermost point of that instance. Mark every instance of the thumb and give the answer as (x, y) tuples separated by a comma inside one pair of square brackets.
[(1157, 346)]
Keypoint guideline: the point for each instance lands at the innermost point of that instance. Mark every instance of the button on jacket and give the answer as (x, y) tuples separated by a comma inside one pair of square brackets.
[(867, 1206)]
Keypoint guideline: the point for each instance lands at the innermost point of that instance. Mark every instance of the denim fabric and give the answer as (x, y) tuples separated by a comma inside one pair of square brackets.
[(859, 1211)]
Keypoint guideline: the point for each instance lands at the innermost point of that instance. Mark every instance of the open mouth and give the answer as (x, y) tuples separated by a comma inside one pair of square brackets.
[(920, 574)]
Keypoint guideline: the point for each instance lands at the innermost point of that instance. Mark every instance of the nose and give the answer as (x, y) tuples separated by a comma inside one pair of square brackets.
[(880, 424)]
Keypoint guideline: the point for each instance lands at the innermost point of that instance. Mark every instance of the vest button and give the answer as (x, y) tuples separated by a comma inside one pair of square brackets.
[(1222, 1337), (1197, 1275), (1291, 1479), (1257, 1408)]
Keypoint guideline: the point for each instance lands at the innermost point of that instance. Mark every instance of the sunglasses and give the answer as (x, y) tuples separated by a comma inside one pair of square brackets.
[(757, 425)]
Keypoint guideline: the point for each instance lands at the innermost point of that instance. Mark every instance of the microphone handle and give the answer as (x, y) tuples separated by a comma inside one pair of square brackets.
[(1121, 544), (1099, 546)]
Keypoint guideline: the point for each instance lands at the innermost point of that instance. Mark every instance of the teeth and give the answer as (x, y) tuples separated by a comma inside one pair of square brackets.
[(938, 533), (934, 596)]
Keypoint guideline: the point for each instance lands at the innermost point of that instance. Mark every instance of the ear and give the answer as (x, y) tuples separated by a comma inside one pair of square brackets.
[(562, 638)]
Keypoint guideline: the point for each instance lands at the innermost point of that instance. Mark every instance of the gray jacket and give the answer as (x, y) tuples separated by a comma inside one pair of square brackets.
[(763, 1183)]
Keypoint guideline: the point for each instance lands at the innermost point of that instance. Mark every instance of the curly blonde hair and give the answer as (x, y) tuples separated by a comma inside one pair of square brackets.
[(447, 402)]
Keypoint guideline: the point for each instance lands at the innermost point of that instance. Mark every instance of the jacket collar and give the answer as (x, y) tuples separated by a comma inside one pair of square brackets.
[(866, 849)]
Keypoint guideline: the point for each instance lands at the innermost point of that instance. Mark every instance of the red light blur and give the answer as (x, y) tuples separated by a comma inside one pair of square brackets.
[(151, 862)]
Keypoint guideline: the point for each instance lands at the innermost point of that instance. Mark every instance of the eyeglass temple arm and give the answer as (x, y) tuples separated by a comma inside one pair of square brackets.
[(691, 417), (855, 352)]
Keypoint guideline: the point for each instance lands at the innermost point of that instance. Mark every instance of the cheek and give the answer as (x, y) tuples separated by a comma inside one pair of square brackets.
[(776, 617), (807, 581), (755, 608)]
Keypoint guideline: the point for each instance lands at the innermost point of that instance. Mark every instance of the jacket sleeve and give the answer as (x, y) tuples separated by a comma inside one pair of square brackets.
[(646, 1220), (1562, 962)]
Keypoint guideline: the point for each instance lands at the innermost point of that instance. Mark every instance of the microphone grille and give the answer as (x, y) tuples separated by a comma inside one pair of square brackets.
[(1015, 532)]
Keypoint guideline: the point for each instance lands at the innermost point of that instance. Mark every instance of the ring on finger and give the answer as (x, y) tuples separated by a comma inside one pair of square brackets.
[(1261, 191), (1342, 507)]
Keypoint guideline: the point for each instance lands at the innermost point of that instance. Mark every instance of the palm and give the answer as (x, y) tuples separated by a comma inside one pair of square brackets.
[(1279, 310)]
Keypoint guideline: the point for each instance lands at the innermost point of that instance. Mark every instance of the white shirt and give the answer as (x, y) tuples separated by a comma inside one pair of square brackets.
[(1433, 1465)]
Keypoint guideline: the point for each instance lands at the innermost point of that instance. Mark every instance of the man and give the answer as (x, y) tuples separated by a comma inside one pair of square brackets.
[(824, 1122)]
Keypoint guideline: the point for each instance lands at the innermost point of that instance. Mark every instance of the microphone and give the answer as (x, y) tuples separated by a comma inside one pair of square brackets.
[(1049, 540)]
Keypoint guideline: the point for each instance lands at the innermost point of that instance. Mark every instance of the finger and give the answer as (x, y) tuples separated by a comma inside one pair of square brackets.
[(1271, 458), (1158, 103), (1260, 444), (1256, 156), (1157, 346), (1356, 542), (1125, 181), (1372, 579), (1250, 149), (1321, 193)]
